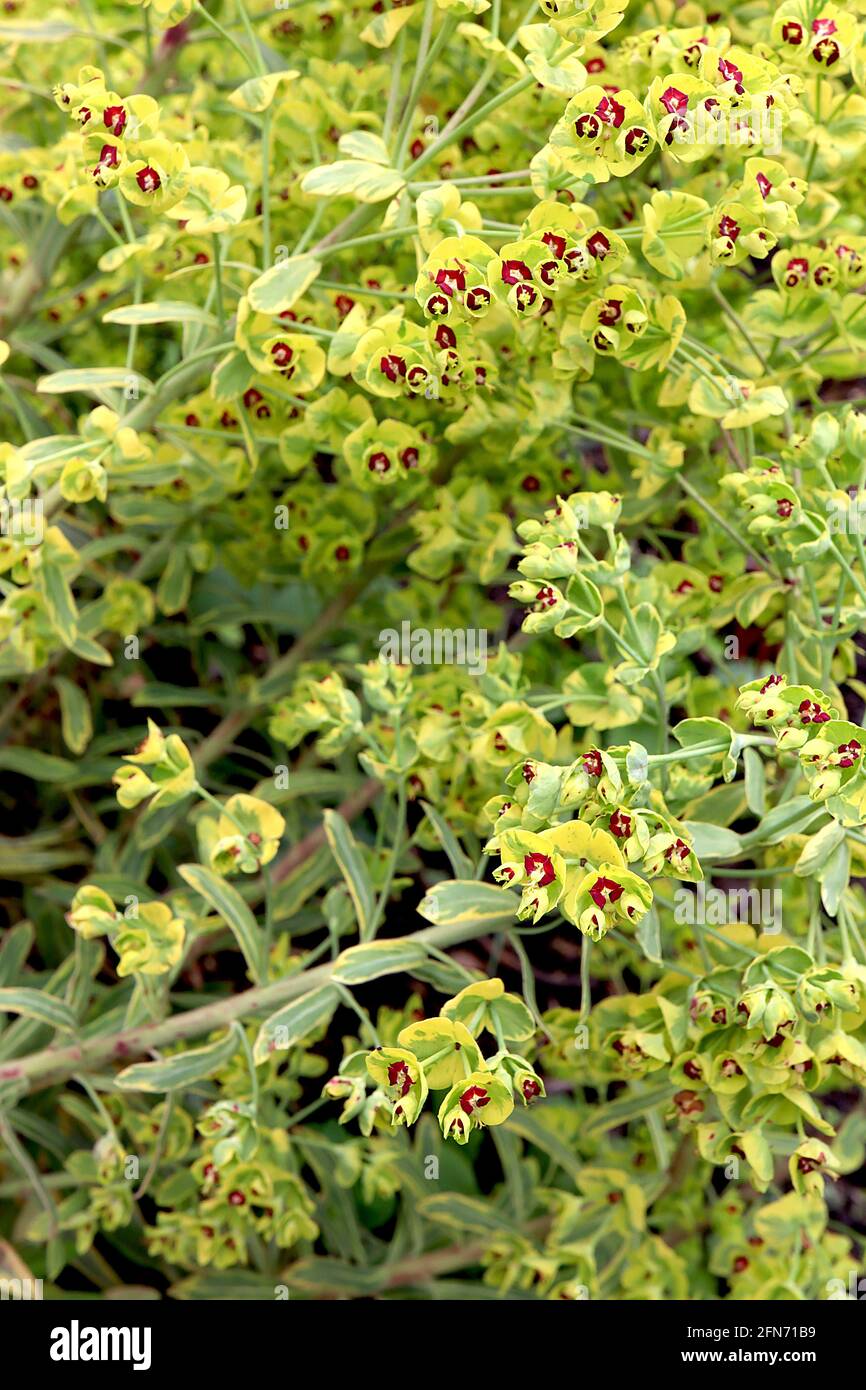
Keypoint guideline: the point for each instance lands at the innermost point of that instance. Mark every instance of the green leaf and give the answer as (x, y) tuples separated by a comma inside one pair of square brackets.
[(460, 862), (75, 718), (648, 936), (227, 902), (37, 1004), (280, 286), (528, 1125), (674, 230), (50, 31), (466, 1213), (257, 93), (32, 762), (94, 380), (466, 901), (160, 311), (59, 602), (790, 818), (364, 144), (834, 877), (377, 958), (755, 780), (818, 849), (353, 869), (620, 1112), (224, 1285), (713, 841), (323, 1274), (353, 178), (285, 1029), (183, 1069)]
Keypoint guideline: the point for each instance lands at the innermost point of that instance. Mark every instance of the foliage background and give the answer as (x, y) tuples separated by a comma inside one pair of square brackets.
[(223, 231)]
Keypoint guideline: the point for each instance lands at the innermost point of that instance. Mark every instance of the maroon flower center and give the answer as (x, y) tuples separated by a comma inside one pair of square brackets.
[(636, 140), (605, 891), (379, 463), (731, 73), (114, 118), (587, 126), (598, 245), (450, 280), (392, 366), (514, 272), (620, 825), (477, 298), (556, 244), (784, 508), (445, 337), (812, 713), (592, 763), (674, 101), (678, 848), (850, 753), (540, 865), (438, 305), (531, 1089), (474, 1098), (729, 228), (282, 354), (524, 297), (400, 1078), (148, 179), (409, 457), (792, 33), (610, 112)]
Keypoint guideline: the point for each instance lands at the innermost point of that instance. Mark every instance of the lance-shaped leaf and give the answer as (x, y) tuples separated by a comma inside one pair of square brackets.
[(466, 901), (282, 284), (227, 902), (352, 867), (377, 958), (285, 1029), (353, 178), (183, 1069), (37, 1004)]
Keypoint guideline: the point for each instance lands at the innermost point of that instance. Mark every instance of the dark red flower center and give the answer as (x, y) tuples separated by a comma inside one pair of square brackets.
[(674, 101), (620, 825), (473, 1099), (605, 891), (400, 1078), (540, 865), (114, 118), (148, 179)]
